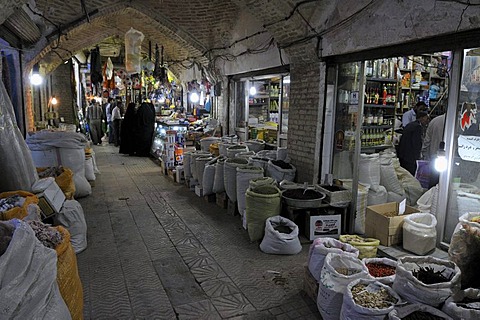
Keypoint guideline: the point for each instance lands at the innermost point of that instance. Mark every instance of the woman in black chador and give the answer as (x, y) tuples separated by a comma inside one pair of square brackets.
[(128, 130), (145, 129)]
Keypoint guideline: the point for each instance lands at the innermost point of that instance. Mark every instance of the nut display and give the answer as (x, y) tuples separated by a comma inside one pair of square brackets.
[(379, 299)]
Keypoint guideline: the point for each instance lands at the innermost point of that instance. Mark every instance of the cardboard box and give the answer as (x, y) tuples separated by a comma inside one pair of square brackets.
[(389, 230), (199, 191), (50, 196), (323, 226)]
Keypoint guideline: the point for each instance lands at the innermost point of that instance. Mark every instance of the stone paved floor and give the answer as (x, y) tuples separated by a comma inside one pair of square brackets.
[(157, 251)]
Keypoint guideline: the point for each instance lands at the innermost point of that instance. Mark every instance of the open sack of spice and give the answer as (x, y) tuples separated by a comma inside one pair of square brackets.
[(464, 248), (464, 304), (367, 300), (323, 246), (338, 271), (281, 236), (381, 269), (417, 311), (28, 272), (426, 280)]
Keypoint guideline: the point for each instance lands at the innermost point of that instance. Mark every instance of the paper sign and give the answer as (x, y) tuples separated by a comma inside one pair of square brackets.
[(402, 206), (469, 148), (353, 108), (354, 97)]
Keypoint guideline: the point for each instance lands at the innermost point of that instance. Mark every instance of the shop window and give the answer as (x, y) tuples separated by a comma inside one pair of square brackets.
[(464, 184)]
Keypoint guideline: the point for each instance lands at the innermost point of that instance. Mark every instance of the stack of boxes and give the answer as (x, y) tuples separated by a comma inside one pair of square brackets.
[(169, 151)]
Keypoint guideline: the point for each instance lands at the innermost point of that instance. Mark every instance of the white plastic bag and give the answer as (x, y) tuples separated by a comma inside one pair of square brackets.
[(278, 173), (323, 246), (457, 309), (419, 232), (277, 242), (333, 285), (71, 217), (219, 184), (89, 170), (28, 278), (413, 290), (369, 170), (16, 165), (388, 280), (402, 311), (353, 311), (133, 51)]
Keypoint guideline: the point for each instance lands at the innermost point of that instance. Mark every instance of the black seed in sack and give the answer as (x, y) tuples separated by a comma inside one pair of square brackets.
[(283, 229), (422, 315), (282, 164), (302, 194)]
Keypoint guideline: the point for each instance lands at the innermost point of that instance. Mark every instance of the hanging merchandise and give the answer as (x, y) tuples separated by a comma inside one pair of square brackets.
[(95, 68), (108, 75), (133, 48)]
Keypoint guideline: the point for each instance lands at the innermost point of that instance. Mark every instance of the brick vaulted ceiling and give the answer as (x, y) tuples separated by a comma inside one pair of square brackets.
[(186, 28)]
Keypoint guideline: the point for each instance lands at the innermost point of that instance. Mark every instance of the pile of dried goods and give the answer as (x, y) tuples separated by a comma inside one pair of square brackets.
[(428, 275), (51, 172), (282, 164), (379, 270), (347, 271), (48, 236), (379, 299), (11, 202), (302, 194)]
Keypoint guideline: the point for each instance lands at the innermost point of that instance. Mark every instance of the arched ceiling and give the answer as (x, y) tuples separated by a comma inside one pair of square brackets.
[(189, 30)]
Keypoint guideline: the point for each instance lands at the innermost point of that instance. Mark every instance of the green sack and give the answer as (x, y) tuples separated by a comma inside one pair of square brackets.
[(262, 202)]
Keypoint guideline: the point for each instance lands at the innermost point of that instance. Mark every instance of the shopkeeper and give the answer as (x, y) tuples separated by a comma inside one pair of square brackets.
[(411, 115)]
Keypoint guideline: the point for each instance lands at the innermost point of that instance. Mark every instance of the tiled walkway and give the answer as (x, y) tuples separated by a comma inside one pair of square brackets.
[(157, 251)]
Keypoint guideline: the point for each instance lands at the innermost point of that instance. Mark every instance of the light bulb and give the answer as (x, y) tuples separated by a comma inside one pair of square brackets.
[(36, 79), (162, 99), (54, 101), (441, 163), (194, 97), (253, 91)]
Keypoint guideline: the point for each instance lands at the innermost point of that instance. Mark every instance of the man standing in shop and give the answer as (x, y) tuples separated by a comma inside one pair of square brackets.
[(409, 149), (411, 115)]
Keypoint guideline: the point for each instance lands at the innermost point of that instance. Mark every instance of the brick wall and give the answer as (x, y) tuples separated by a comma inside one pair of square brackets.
[(305, 118), (61, 84)]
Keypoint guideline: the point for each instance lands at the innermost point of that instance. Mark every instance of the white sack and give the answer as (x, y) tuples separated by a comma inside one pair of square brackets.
[(219, 184), (230, 176), (280, 174), (413, 290), (402, 311), (244, 175), (377, 196), (16, 165), (333, 285), (463, 311), (369, 170), (89, 170), (419, 232), (275, 242), (208, 179), (200, 163), (255, 145), (353, 311), (388, 176), (71, 217), (28, 278), (388, 280), (233, 150), (323, 246)]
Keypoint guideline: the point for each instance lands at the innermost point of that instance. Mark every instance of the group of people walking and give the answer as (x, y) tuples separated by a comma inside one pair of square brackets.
[(133, 134)]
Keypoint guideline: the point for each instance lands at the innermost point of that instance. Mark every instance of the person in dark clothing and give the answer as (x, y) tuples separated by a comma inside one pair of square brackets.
[(409, 149), (145, 128), (128, 131)]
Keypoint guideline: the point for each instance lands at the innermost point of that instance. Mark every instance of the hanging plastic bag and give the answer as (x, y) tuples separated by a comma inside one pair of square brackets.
[(281, 236), (337, 272), (323, 246), (383, 300), (133, 51), (422, 174), (411, 289)]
